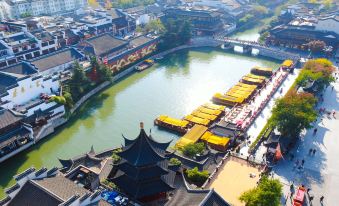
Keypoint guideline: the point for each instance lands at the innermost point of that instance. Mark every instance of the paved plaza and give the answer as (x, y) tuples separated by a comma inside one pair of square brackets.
[(321, 172), (234, 179)]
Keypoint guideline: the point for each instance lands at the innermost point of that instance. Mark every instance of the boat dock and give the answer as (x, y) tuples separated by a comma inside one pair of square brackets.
[(228, 118)]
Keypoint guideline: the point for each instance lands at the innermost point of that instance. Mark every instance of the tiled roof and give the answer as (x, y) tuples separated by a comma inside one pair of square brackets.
[(2, 46), (7, 118), (21, 68), (13, 135), (138, 41), (31, 194), (6, 81), (213, 199), (143, 151), (105, 43), (61, 187), (55, 59)]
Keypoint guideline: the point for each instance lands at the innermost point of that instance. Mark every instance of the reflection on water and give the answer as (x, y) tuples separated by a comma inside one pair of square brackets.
[(175, 86)]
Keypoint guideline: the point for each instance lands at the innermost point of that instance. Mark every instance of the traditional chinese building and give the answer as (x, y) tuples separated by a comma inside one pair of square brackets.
[(204, 22), (142, 172), (118, 53)]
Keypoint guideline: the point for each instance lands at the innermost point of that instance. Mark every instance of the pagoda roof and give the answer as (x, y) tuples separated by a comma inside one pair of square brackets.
[(143, 173), (142, 189), (161, 145), (143, 150)]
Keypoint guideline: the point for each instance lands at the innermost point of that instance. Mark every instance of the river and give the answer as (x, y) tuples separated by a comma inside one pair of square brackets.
[(175, 86)]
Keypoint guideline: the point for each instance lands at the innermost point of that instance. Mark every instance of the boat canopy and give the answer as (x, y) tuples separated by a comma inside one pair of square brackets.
[(199, 114), (209, 111), (173, 121), (287, 63), (214, 106), (197, 120)]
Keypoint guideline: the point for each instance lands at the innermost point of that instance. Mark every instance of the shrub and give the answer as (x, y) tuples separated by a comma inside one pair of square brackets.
[(268, 192), (193, 149), (69, 99), (175, 161), (58, 99), (116, 158), (109, 184), (197, 176)]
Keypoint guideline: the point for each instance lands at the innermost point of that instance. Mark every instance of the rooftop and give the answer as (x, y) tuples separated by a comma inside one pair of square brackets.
[(51, 191), (21, 68), (8, 117), (104, 44), (55, 59)]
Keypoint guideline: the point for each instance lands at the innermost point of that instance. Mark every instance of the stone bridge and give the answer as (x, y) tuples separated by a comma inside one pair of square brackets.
[(248, 46)]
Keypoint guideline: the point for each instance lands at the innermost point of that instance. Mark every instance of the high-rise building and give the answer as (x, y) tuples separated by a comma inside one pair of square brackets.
[(24, 8)]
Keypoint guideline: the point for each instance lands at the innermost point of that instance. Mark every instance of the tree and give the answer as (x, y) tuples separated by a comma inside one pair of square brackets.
[(100, 72), (175, 161), (68, 98), (293, 113), (328, 4), (79, 81), (267, 193), (316, 45), (156, 26), (193, 149), (104, 73), (197, 176), (318, 70), (245, 19), (177, 32)]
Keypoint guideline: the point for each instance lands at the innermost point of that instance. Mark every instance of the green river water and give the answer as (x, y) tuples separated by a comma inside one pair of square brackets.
[(175, 87)]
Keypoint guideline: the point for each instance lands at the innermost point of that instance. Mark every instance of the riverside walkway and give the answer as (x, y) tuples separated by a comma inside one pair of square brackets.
[(320, 172), (259, 123)]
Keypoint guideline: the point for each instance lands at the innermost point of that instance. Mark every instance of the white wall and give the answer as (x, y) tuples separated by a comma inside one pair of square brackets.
[(143, 19), (29, 89)]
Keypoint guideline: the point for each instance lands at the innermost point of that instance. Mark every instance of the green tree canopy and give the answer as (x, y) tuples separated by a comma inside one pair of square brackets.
[(104, 73), (79, 81), (177, 32), (124, 4), (293, 113), (267, 193), (197, 176), (319, 70), (193, 149)]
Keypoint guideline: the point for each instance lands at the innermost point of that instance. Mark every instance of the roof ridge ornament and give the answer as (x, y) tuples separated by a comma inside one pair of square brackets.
[(141, 125)]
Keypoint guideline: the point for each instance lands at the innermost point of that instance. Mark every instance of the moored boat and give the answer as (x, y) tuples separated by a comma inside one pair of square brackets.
[(144, 65), (177, 125), (262, 71)]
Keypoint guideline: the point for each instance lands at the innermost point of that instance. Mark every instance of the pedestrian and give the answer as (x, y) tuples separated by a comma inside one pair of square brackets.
[(302, 162), (308, 190), (321, 199), (333, 113), (314, 151), (321, 121), (332, 88), (315, 131), (310, 151)]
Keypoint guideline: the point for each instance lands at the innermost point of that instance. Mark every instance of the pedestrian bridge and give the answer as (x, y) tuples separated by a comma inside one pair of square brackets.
[(248, 46)]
